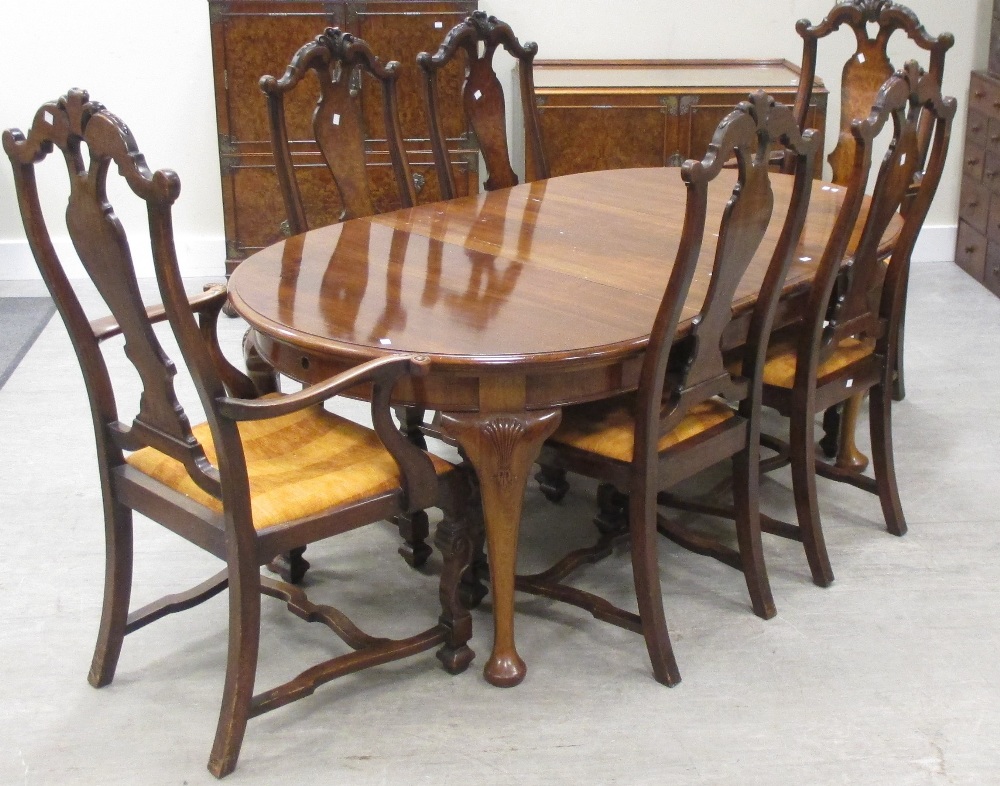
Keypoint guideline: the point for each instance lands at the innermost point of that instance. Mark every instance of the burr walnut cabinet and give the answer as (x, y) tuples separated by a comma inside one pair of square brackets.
[(251, 38), (610, 114)]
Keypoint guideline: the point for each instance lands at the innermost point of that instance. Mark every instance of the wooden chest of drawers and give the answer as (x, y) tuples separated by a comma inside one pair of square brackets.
[(251, 38), (609, 114), (978, 248)]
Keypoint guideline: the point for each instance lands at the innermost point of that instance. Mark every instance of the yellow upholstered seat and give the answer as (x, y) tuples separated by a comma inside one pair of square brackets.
[(779, 370), (298, 465), (607, 427)]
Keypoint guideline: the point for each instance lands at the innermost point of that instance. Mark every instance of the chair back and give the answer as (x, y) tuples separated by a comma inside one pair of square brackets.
[(676, 378), (91, 139), (866, 299), (339, 62), (478, 36), (866, 69)]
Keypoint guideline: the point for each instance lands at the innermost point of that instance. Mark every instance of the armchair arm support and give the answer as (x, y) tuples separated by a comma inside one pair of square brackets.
[(212, 298), (384, 370)]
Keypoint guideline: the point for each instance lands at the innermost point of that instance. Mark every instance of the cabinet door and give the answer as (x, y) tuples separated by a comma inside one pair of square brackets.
[(604, 131), (399, 30)]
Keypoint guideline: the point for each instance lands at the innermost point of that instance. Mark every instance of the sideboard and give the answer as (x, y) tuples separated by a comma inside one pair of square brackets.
[(609, 114)]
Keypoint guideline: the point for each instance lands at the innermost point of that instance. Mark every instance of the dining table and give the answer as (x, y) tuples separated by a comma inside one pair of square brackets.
[(525, 300)]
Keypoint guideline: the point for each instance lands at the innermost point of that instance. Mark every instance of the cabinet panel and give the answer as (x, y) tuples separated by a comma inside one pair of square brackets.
[(609, 114), (251, 38), (586, 139), (991, 272), (970, 253), (977, 250)]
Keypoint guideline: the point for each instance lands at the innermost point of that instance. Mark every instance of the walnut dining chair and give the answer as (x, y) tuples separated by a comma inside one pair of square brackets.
[(846, 342), (690, 411), (262, 475), (863, 74), (478, 37)]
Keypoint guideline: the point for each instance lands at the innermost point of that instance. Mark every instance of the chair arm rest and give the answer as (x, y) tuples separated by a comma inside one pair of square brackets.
[(384, 370), (212, 298)]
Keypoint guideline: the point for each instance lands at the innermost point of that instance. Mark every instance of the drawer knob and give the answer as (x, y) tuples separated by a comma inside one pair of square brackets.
[(978, 93), (972, 161), (970, 249)]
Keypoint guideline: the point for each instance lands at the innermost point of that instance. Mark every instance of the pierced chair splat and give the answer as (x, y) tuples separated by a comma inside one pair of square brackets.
[(478, 37)]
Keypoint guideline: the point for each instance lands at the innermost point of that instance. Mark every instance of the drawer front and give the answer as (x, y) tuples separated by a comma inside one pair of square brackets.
[(977, 130), (992, 141), (991, 275), (974, 204), (984, 95), (970, 252), (972, 164), (991, 169)]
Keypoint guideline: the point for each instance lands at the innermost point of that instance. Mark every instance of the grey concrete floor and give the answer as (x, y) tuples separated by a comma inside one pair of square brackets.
[(887, 677)]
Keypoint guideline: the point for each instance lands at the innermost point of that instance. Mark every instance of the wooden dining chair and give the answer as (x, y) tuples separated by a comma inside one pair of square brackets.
[(341, 64), (846, 342), (863, 73), (339, 61), (479, 36), (691, 412), (261, 476)]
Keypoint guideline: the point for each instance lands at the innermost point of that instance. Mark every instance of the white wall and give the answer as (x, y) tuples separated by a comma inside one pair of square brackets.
[(151, 64)]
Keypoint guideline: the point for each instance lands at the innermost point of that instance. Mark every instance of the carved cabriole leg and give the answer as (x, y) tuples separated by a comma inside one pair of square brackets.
[(117, 591), (453, 541), (848, 455), (502, 448), (241, 668)]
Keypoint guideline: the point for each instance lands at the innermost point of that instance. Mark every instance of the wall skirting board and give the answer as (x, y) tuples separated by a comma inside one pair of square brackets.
[(199, 257), (205, 256)]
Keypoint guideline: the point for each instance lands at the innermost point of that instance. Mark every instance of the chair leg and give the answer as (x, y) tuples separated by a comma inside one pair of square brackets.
[(414, 530), (473, 590), (612, 517), (646, 574), (803, 454), (291, 565), (241, 670), (880, 417), (453, 541), (552, 483), (410, 421), (117, 593), (746, 501)]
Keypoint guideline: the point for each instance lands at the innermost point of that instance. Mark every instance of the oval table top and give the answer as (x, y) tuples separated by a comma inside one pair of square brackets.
[(569, 269)]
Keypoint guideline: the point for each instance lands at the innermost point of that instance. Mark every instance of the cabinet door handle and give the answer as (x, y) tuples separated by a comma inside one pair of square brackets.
[(970, 249)]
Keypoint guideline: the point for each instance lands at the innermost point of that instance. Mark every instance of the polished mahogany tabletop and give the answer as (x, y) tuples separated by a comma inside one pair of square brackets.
[(525, 299)]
